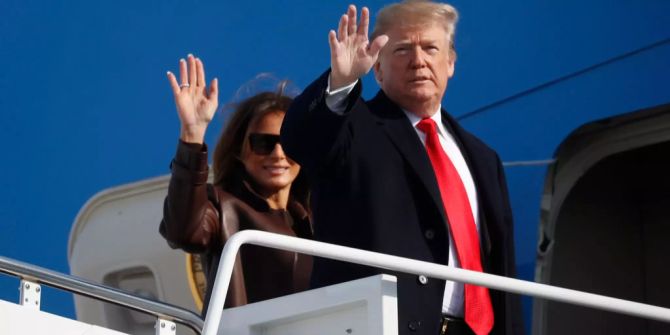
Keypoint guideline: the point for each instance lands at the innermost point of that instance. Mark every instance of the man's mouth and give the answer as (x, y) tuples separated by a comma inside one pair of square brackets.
[(418, 80)]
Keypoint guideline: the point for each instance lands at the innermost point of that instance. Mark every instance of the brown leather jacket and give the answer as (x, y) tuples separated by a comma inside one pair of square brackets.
[(200, 218)]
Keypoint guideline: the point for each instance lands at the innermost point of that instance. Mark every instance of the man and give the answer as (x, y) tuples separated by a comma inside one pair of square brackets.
[(398, 175)]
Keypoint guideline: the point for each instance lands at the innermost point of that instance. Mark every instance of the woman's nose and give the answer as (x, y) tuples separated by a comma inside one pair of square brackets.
[(278, 151)]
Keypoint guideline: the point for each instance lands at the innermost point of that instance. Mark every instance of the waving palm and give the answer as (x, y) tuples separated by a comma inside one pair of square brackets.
[(351, 53), (196, 104)]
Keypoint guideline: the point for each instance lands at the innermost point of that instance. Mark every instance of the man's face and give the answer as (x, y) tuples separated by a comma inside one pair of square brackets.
[(414, 67)]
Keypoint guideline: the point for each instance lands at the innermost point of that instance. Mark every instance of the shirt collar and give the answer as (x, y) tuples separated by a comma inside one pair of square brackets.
[(437, 117)]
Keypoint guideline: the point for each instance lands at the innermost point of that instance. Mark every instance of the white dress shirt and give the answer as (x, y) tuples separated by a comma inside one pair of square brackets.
[(454, 292)]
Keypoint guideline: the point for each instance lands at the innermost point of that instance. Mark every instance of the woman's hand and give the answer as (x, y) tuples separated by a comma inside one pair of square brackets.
[(196, 104), (351, 54)]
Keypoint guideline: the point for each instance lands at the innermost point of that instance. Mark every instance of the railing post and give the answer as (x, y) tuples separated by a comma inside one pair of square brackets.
[(31, 293), (165, 327)]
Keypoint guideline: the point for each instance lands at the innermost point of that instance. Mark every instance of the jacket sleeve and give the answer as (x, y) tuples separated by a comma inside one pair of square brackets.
[(311, 133), (190, 217), (237, 290)]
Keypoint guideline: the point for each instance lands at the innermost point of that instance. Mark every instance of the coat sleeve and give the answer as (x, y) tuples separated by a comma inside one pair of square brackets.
[(190, 217), (512, 302), (311, 133), (510, 266)]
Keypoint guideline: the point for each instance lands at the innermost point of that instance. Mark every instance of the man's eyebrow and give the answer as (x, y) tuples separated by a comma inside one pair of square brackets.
[(410, 42), (429, 41), (403, 43)]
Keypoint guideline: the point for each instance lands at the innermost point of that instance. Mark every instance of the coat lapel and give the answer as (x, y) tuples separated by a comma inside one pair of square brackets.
[(404, 137)]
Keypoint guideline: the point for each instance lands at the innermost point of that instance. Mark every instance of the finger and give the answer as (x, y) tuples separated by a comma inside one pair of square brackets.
[(192, 73), (332, 41), (173, 83), (214, 90), (183, 72), (342, 28), (200, 67), (377, 45), (351, 28), (365, 22)]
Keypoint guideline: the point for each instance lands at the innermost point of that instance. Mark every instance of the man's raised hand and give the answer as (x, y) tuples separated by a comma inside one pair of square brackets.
[(352, 55)]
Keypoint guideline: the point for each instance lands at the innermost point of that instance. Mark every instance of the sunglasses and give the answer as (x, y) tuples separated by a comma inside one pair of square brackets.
[(263, 144)]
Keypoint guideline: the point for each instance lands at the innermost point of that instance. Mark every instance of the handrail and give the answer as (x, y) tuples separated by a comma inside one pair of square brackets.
[(100, 292), (401, 264)]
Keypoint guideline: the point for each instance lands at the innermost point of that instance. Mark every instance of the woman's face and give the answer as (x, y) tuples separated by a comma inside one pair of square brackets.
[(263, 157)]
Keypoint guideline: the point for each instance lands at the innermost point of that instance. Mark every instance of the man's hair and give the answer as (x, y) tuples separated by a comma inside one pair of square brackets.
[(417, 13)]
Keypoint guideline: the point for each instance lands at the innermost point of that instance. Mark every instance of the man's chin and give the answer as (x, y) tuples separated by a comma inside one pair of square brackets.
[(419, 96)]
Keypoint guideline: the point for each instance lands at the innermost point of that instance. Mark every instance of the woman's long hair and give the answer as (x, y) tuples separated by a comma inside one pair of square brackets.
[(228, 169)]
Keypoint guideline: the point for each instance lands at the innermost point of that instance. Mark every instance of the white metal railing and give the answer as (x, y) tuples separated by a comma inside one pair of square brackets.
[(406, 265), (165, 313)]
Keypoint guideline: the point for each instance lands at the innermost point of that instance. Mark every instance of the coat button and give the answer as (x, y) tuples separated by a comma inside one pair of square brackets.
[(429, 234), (423, 280), (414, 325)]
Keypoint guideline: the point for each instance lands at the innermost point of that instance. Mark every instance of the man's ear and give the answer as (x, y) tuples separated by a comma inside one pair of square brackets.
[(451, 65), (378, 73)]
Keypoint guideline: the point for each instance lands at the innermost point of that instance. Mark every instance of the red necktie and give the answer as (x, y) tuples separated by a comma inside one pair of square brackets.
[(478, 310)]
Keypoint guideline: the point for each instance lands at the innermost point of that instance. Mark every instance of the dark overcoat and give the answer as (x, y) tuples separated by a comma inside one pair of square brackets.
[(373, 188)]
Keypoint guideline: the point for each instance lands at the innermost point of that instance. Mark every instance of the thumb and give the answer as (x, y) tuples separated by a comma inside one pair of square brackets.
[(214, 90), (377, 44)]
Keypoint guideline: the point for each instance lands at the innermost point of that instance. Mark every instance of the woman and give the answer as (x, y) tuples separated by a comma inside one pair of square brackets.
[(255, 187)]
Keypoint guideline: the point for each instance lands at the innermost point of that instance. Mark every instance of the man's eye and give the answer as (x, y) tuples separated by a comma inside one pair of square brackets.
[(401, 50)]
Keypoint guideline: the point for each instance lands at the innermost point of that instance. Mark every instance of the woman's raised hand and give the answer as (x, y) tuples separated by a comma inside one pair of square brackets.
[(351, 53), (196, 104)]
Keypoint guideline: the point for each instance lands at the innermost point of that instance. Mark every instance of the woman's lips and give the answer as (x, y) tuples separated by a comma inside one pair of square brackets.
[(276, 170)]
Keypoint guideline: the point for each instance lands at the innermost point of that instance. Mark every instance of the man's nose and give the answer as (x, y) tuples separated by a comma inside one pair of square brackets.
[(417, 58)]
